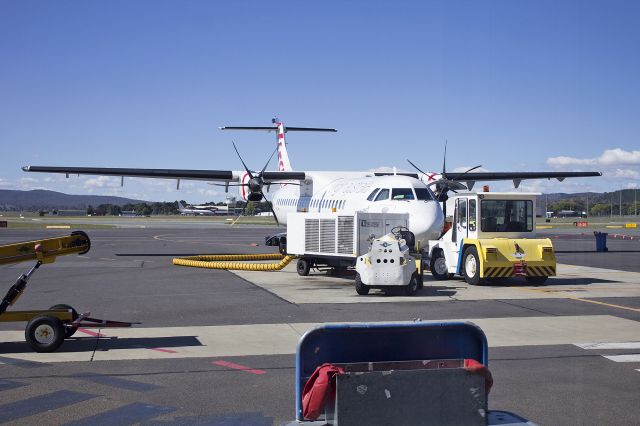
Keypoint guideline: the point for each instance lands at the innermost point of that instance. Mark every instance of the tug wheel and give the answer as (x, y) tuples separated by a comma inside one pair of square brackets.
[(68, 331), (471, 264), (303, 266), (412, 288), (438, 266), (44, 333), (361, 288)]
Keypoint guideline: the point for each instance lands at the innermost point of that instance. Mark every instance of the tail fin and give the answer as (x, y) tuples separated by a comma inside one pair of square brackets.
[(284, 165), (181, 206)]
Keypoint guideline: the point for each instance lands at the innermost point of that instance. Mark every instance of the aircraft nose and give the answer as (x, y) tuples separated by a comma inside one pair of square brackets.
[(426, 222)]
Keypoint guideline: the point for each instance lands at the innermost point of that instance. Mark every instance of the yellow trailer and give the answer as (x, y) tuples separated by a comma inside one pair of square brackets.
[(492, 236)]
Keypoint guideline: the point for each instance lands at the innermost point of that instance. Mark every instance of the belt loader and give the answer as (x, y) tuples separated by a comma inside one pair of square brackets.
[(492, 237)]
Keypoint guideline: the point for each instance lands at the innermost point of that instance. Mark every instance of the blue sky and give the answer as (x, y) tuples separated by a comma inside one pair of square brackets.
[(512, 85)]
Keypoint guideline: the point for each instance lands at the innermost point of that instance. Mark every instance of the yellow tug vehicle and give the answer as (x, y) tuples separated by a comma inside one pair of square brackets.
[(492, 236)]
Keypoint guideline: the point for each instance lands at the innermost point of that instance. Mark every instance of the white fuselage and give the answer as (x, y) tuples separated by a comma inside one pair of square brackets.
[(348, 192)]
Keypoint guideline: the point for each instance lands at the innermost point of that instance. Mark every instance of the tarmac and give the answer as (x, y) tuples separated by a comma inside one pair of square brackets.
[(217, 347)]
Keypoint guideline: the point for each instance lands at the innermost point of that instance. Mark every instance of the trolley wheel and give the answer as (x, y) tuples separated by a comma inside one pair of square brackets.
[(438, 266), (536, 280), (361, 288), (303, 266), (471, 263), (68, 331), (44, 333), (412, 288)]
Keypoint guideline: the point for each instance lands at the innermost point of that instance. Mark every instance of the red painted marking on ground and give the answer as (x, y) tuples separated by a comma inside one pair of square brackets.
[(169, 351), (91, 333), (235, 366)]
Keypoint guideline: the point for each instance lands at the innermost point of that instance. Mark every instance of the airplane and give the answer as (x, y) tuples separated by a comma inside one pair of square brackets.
[(342, 192), (197, 210)]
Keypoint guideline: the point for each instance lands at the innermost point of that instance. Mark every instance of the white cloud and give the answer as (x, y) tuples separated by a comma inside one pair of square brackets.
[(101, 182), (610, 157), (622, 173)]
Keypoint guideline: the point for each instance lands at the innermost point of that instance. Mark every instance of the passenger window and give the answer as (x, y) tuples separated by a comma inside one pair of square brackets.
[(402, 194), (372, 195), (383, 195)]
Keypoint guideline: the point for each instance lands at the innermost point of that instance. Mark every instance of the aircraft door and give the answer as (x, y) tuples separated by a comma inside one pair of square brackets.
[(460, 227), (462, 222)]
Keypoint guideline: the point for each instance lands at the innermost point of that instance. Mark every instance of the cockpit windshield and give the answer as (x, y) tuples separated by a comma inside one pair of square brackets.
[(402, 194), (423, 194)]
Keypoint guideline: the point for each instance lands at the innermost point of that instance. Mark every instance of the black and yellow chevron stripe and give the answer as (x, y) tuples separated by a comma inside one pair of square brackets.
[(507, 271)]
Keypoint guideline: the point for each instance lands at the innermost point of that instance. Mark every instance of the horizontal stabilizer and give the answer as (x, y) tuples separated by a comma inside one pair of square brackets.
[(275, 128)]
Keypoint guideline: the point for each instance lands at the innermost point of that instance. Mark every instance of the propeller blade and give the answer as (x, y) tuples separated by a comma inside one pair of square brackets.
[(275, 216), (268, 161), (242, 161), (444, 160), (416, 167)]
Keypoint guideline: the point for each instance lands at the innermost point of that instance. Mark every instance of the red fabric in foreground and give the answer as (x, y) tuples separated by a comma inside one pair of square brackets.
[(475, 367), (320, 388)]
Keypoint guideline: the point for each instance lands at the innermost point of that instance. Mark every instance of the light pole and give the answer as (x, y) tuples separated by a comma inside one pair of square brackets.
[(587, 205), (621, 203)]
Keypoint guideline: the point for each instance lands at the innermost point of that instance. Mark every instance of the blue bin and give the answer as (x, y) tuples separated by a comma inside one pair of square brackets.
[(601, 241), (365, 342)]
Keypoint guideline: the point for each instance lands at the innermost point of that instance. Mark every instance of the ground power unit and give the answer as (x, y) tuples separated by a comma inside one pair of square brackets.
[(335, 240)]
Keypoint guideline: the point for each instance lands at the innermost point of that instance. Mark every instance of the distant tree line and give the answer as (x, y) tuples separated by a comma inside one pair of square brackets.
[(143, 209)]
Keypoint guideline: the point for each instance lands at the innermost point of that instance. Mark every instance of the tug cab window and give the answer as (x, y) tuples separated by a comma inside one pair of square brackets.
[(506, 215), (423, 194), (383, 195), (402, 194)]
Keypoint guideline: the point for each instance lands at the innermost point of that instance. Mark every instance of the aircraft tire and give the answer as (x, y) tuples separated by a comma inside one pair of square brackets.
[(471, 265), (44, 333), (303, 267), (68, 331), (361, 288)]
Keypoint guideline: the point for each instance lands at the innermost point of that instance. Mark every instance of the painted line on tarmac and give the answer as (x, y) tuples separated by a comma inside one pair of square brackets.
[(129, 414), (240, 367), (91, 333), (116, 382), (611, 305), (39, 404), (623, 358), (23, 363), (610, 345), (8, 384)]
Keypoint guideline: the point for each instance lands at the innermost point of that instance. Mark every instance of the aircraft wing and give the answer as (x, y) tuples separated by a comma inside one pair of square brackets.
[(187, 174), (471, 177)]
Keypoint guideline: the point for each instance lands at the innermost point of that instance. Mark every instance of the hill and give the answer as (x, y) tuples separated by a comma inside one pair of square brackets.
[(40, 199)]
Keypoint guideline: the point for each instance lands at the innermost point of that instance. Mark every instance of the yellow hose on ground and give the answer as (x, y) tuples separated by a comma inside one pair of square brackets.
[(230, 261)]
